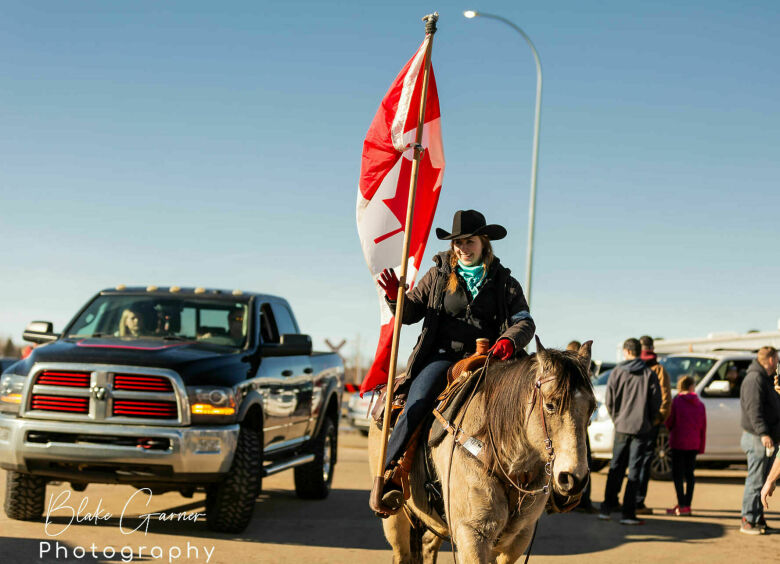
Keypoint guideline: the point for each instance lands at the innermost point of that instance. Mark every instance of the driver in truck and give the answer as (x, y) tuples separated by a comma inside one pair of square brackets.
[(130, 324)]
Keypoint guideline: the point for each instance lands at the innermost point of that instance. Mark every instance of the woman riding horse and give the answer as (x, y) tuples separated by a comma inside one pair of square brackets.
[(466, 296)]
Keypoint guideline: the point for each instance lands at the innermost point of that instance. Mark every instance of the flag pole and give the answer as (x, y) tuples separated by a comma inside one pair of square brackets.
[(430, 30)]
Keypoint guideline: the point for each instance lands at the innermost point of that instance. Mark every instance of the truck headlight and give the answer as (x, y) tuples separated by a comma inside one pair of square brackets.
[(601, 413), (11, 392), (212, 404)]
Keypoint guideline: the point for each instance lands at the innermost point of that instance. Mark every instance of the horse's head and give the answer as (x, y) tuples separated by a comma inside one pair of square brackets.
[(565, 402), (535, 406)]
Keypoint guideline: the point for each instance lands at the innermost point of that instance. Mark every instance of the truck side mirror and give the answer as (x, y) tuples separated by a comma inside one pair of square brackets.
[(295, 344), (40, 332), (718, 388)]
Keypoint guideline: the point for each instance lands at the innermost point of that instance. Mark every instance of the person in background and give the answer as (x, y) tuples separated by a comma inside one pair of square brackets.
[(760, 420), (687, 424), (129, 324), (585, 505), (732, 377), (633, 398), (236, 325), (771, 480), (651, 360), (774, 472)]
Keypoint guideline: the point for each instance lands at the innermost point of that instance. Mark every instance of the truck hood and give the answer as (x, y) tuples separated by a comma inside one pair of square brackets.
[(196, 363)]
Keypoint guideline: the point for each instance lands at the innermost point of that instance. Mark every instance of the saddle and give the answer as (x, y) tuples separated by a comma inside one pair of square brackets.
[(449, 401)]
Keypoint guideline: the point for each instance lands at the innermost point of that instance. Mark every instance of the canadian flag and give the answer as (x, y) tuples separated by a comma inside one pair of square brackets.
[(383, 190)]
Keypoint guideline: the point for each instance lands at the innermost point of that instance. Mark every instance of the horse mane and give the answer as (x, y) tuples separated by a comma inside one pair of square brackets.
[(508, 387)]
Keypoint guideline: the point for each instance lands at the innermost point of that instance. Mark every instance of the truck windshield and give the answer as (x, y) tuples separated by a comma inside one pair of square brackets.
[(133, 317), (679, 366)]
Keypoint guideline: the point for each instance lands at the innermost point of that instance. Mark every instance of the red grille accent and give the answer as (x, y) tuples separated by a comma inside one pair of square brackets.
[(145, 408), (135, 383), (57, 378), (60, 403)]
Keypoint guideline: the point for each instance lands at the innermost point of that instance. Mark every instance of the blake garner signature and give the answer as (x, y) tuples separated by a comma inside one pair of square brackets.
[(60, 506)]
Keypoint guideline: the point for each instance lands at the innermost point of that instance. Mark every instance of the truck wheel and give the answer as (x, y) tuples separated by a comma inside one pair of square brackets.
[(661, 465), (24, 496), (312, 480), (230, 503)]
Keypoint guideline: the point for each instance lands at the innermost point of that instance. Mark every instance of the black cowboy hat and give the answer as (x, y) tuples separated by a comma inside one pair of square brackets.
[(467, 223)]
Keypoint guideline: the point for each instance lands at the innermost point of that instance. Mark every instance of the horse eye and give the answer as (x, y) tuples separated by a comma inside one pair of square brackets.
[(550, 407)]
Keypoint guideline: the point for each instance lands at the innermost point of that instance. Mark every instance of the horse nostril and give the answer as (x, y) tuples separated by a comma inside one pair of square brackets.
[(566, 481)]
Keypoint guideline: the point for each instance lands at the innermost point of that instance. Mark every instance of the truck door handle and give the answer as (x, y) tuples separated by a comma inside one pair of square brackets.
[(287, 372), (308, 370)]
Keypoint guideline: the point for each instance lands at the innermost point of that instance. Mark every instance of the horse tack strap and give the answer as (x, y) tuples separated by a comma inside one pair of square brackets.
[(470, 444)]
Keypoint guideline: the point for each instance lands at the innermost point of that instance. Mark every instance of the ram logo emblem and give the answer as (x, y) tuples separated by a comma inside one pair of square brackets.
[(99, 393)]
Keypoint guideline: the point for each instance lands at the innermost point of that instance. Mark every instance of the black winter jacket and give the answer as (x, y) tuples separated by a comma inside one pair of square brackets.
[(633, 397), (454, 321), (760, 403)]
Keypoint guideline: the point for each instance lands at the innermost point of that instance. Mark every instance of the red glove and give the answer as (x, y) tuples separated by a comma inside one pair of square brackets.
[(389, 282), (503, 349)]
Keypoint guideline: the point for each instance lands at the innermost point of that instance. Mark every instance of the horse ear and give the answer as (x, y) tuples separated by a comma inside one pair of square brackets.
[(584, 353), (539, 346)]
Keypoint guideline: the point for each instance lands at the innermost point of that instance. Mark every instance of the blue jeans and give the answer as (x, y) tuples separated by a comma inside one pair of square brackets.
[(758, 465), (627, 451), (426, 386)]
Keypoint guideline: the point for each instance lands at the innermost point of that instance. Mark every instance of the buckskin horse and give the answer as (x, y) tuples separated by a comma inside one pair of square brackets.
[(530, 416)]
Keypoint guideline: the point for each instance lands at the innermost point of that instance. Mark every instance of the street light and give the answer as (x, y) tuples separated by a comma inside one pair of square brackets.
[(471, 14)]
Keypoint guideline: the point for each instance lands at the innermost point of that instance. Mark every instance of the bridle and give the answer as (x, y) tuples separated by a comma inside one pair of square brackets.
[(536, 398)]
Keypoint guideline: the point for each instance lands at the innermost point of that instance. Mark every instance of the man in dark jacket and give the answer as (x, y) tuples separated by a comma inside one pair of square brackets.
[(633, 399), (760, 421), (649, 357)]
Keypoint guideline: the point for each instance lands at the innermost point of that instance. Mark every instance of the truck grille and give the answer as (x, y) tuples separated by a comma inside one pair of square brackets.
[(137, 383), (58, 378), (59, 403), (104, 393), (146, 409)]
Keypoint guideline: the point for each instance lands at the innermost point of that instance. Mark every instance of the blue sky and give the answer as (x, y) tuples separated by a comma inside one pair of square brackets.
[(218, 144)]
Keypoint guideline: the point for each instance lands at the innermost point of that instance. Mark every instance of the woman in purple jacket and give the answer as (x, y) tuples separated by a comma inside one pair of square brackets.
[(687, 426)]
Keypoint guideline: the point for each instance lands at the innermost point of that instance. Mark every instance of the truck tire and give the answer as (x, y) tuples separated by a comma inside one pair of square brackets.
[(24, 496), (661, 465), (313, 480), (230, 503)]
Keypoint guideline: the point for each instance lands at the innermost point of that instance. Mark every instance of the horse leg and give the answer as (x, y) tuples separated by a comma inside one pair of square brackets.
[(405, 540), (515, 550), (472, 546), (430, 547)]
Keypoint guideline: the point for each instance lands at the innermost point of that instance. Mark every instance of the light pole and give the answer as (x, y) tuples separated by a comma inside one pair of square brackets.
[(470, 14)]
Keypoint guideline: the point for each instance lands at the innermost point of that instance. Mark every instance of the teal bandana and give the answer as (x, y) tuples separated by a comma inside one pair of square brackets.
[(474, 276)]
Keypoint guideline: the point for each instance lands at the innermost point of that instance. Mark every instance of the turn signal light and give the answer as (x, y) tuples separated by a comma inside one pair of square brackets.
[(206, 409), (12, 398)]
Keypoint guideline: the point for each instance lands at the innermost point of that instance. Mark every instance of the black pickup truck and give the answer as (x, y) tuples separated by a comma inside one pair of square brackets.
[(183, 389)]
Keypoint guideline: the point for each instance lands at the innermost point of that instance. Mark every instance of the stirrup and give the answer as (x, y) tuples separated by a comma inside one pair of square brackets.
[(385, 503)]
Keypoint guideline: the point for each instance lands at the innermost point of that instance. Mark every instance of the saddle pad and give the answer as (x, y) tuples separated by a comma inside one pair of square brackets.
[(450, 402)]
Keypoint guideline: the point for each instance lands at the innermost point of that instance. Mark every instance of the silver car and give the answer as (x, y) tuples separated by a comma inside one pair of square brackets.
[(357, 411), (719, 395)]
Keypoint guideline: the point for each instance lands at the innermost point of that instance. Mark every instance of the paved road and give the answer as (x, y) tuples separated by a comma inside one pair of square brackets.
[(341, 528)]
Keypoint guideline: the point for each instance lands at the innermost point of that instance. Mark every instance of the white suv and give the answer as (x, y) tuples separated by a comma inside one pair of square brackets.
[(719, 395)]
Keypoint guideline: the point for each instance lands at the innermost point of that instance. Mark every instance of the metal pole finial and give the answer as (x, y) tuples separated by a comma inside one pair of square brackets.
[(430, 23)]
